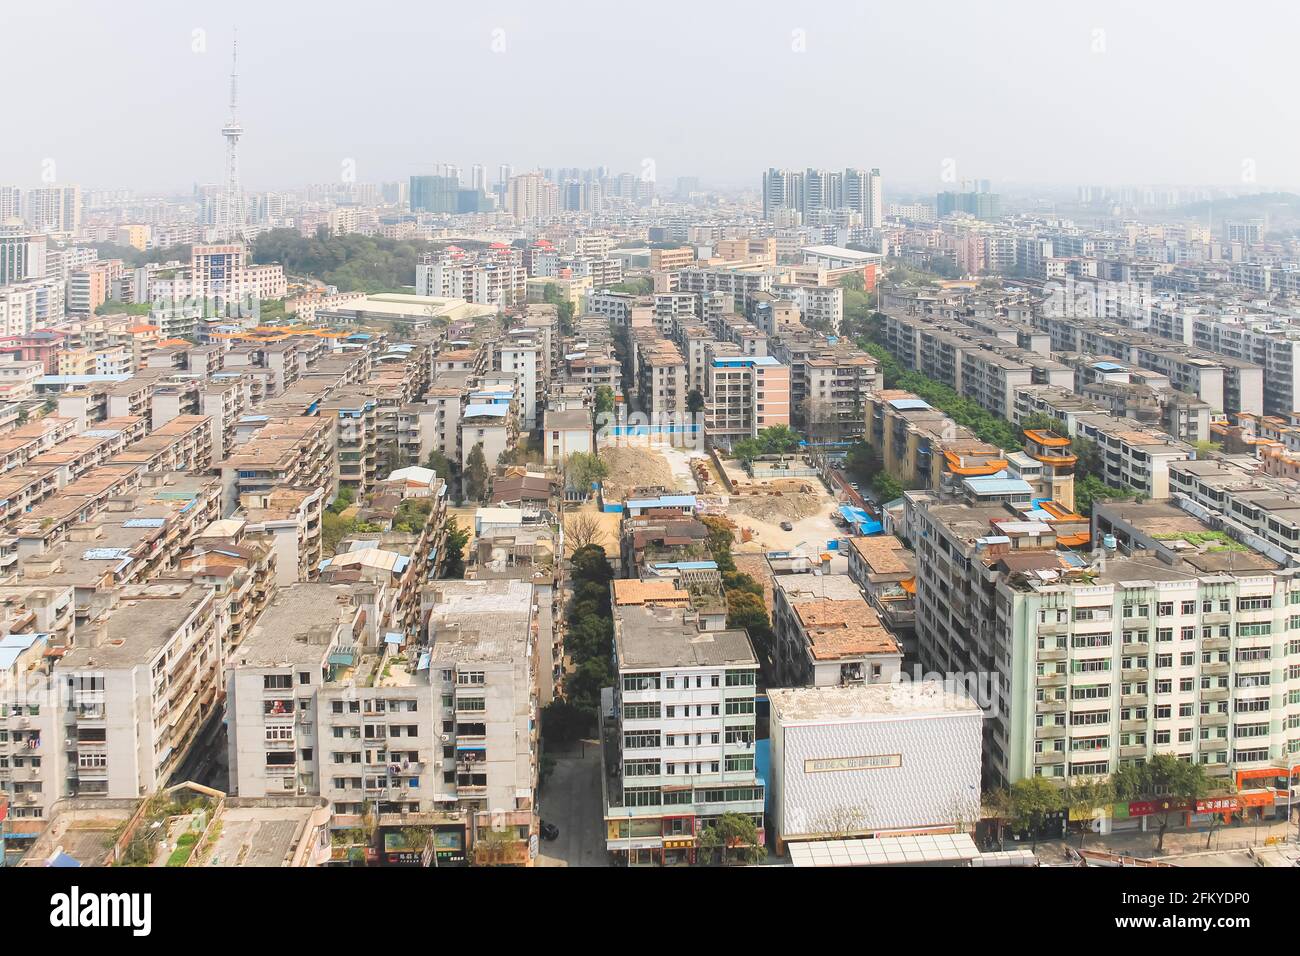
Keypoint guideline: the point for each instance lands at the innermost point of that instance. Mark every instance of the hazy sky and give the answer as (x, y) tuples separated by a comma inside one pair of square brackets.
[(115, 94)]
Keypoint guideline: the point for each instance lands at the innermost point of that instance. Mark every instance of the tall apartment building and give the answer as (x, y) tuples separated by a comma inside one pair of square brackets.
[(496, 277), (743, 394), (296, 451), (22, 255), (922, 447), (49, 209), (677, 728), (828, 384), (1234, 494), (812, 190), (483, 673), (1170, 641), (525, 359), (140, 686), (532, 196), (1273, 346), (661, 380), (435, 730)]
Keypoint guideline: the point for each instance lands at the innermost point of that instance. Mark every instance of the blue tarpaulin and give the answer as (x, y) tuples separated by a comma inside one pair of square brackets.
[(858, 519)]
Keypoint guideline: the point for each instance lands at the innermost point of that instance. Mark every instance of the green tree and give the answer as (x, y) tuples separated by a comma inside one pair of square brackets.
[(453, 550), (440, 464), (590, 564), (694, 401), (862, 462), (1163, 777), (1085, 797), (583, 469), (583, 686), (721, 536), (346, 495), (887, 487), (732, 838), (1090, 462), (1038, 421), (475, 479), (604, 399), (747, 610), (352, 262), (564, 722), (995, 805), (1032, 799)]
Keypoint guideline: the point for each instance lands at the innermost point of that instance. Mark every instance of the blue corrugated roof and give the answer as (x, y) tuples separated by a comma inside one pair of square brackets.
[(663, 501), (144, 522), (487, 411), (742, 360), (105, 554), (909, 404), (22, 641), (393, 637), (998, 486)]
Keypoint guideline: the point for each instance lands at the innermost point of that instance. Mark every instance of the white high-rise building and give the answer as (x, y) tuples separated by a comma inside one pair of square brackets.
[(53, 209), (22, 255)]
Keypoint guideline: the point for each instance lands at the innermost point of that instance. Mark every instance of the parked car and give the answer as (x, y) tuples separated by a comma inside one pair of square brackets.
[(549, 831), (786, 526)]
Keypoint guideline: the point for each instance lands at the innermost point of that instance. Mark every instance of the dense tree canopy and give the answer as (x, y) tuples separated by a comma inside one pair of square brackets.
[(352, 262)]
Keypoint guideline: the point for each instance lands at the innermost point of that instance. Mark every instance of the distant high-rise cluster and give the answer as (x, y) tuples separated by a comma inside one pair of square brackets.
[(812, 190)]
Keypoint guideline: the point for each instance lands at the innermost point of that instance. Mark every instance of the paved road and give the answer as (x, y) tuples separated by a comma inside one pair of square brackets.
[(571, 800)]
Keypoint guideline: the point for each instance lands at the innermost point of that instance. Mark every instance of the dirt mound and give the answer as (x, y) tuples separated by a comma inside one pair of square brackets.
[(634, 467), (777, 508)]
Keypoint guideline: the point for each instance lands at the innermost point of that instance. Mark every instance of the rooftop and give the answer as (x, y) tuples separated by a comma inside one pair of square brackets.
[(669, 637), (867, 702), (297, 626)]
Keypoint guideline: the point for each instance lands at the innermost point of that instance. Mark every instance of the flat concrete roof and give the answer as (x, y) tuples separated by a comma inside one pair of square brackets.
[(662, 637), (851, 703)]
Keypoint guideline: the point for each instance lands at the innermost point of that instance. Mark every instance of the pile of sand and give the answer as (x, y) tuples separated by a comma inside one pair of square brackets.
[(777, 508), (631, 467)]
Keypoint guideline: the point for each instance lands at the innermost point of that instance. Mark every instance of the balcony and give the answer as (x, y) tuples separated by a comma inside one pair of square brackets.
[(1127, 751), (1138, 648), (1215, 693), (1134, 673), (1051, 757), (1049, 732)]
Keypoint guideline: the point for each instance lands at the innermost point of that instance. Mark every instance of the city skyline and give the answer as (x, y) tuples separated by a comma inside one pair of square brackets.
[(355, 102)]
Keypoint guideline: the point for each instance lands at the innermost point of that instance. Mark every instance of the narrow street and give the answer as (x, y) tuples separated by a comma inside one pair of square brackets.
[(571, 800)]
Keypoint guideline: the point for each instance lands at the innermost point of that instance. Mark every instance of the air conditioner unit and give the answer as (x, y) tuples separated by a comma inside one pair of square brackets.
[(445, 738)]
